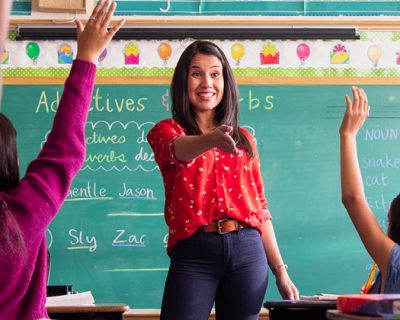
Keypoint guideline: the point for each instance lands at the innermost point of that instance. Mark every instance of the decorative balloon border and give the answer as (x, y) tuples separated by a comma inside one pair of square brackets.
[(383, 52)]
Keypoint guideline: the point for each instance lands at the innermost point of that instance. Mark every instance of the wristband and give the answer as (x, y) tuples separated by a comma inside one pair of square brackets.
[(277, 267)]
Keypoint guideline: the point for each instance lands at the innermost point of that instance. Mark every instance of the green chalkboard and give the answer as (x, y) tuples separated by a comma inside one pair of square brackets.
[(21, 8), (110, 235)]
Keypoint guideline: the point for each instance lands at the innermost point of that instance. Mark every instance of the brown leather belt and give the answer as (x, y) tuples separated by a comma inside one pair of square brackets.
[(223, 226)]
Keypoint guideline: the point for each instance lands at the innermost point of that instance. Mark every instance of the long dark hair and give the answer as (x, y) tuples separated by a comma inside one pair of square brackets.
[(394, 217), (227, 111), (10, 234)]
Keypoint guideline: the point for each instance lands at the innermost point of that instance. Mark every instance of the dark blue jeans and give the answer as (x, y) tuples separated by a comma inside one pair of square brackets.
[(230, 269)]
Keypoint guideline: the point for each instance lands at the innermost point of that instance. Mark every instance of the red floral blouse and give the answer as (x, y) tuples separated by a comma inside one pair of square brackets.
[(213, 186)]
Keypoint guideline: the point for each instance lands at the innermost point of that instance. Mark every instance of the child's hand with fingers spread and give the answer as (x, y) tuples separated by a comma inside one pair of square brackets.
[(357, 111), (95, 36)]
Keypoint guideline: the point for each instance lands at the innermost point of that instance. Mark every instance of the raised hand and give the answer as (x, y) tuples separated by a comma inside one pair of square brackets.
[(95, 36), (357, 111)]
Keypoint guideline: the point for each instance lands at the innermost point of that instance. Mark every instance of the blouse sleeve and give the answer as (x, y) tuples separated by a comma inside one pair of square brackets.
[(161, 138), (264, 213)]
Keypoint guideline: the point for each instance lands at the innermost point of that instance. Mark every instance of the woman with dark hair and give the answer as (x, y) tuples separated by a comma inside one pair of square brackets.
[(384, 249), (221, 238), (27, 206)]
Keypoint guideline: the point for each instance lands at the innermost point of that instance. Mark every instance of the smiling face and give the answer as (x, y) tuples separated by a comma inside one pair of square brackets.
[(205, 83)]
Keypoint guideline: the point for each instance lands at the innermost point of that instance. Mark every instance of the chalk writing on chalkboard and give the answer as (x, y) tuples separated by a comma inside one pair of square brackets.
[(111, 230)]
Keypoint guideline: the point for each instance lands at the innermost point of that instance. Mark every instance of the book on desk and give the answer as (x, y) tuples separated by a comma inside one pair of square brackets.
[(62, 303), (73, 299), (320, 297), (381, 305)]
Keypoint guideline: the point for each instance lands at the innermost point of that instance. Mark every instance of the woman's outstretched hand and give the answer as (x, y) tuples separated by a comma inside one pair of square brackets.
[(94, 37), (223, 140)]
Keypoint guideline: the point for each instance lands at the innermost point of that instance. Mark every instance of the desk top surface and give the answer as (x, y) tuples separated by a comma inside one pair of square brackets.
[(318, 304), (337, 315), (104, 308)]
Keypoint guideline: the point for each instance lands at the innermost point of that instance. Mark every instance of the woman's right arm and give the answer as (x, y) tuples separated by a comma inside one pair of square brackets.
[(378, 245), (188, 148)]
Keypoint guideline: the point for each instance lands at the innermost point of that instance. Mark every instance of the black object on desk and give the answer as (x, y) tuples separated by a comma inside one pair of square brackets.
[(59, 290), (88, 312), (298, 309)]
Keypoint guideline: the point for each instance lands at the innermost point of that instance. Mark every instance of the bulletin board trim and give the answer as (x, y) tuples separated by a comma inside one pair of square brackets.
[(240, 80)]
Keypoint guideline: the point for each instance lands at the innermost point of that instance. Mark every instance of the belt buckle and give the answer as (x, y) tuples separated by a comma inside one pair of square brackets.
[(219, 226)]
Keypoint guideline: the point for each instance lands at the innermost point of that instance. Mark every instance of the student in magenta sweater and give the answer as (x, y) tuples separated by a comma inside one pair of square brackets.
[(27, 206)]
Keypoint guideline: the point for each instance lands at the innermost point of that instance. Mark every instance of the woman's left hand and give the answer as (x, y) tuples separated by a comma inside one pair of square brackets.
[(286, 287)]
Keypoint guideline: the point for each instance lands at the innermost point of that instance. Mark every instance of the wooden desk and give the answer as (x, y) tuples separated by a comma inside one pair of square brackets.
[(154, 314), (337, 315), (88, 312), (298, 309)]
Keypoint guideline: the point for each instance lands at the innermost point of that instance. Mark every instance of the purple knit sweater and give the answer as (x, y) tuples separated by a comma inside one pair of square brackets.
[(39, 196)]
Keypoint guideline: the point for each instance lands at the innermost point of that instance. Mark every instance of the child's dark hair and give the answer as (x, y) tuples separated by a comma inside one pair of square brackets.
[(394, 216), (10, 234)]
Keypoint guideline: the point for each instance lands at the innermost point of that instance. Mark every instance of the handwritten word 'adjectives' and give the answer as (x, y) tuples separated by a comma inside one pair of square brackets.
[(47, 103)]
